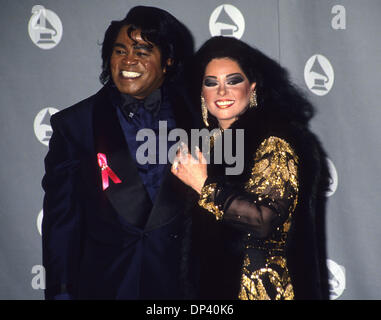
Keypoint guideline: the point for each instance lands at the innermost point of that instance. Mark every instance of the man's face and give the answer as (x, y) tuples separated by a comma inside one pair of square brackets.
[(136, 65)]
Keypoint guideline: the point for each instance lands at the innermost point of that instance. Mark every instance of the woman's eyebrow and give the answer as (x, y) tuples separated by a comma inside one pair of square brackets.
[(234, 74), (228, 76)]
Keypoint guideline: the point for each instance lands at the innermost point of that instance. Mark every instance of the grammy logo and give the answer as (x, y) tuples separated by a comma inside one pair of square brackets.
[(41, 125), (319, 75), (227, 20), (45, 27)]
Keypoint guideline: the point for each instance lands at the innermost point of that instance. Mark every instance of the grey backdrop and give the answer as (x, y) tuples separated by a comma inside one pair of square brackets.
[(345, 89)]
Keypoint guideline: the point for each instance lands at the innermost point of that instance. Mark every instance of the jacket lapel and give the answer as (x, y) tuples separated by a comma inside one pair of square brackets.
[(169, 202), (129, 198), (171, 198)]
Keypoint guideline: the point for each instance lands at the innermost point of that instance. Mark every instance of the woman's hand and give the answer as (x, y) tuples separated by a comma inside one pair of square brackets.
[(190, 170)]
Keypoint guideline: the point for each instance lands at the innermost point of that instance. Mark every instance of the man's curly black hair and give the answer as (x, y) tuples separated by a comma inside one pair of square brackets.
[(157, 27)]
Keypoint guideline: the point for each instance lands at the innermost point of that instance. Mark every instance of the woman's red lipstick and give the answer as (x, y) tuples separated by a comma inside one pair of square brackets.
[(224, 103)]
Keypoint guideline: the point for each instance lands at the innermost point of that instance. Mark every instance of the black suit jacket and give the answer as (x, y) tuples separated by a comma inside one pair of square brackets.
[(95, 244)]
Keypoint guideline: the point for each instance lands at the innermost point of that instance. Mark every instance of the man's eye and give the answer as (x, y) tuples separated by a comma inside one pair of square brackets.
[(120, 51), (209, 83), (141, 54)]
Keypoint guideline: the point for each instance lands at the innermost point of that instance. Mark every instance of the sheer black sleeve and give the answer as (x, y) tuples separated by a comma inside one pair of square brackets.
[(266, 199)]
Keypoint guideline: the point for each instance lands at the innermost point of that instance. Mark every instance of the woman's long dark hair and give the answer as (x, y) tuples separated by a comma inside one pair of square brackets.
[(276, 95), (159, 27)]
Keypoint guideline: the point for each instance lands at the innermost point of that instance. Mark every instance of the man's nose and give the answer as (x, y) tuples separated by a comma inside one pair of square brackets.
[(129, 59)]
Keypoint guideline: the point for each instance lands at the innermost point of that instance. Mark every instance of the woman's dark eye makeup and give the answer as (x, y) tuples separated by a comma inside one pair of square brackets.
[(231, 79), (235, 79), (209, 82)]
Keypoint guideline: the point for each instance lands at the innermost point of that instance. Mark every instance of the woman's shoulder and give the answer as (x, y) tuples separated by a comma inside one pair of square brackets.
[(275, 145), (275, 142)]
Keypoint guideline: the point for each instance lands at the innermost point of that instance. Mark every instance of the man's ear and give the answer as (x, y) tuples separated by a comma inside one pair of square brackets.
[(169, 62)]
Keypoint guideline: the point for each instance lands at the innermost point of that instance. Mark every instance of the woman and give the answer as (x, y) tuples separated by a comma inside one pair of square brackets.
[(259, 234)]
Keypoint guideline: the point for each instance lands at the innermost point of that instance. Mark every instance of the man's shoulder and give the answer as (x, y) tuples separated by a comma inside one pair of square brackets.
[(79, 109)]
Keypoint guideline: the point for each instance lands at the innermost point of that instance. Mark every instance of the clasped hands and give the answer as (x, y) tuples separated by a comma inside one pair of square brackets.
[(189, 169)]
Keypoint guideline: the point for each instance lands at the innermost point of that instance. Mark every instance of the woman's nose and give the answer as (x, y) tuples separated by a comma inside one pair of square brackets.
[(221, 89)]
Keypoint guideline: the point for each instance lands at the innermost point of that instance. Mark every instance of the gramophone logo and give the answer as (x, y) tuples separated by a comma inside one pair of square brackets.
[(227, 20), (42, 128), (45, 27), (333, 181), (319, 75), (336, 279)]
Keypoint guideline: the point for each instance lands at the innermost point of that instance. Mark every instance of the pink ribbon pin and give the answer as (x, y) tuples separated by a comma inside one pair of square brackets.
[(106, 171)]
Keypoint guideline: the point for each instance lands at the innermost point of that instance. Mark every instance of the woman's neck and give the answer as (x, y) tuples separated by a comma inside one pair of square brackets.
[(225, 124)]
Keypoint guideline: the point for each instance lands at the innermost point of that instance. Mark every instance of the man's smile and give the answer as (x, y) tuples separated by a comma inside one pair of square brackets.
[(130, 74)]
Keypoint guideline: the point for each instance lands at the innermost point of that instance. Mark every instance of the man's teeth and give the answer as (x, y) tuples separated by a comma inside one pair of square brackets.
[(225, 103), (130, 74)]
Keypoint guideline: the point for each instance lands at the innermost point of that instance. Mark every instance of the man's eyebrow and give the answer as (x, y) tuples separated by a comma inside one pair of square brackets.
[(118, 44), (137, 46), (143, 46)]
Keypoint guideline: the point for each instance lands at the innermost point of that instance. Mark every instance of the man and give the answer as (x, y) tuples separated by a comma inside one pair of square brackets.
[(113, 225)]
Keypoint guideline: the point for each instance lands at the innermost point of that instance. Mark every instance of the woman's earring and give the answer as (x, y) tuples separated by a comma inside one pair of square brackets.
[(253, 99), (204, 111)]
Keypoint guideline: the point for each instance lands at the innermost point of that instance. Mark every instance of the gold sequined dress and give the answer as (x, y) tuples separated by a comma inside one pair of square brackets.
[(265, 208)]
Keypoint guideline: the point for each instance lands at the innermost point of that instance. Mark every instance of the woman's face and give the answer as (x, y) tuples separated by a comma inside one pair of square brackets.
[(226, 90)]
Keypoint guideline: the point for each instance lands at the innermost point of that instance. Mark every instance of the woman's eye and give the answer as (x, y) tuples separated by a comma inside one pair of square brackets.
[(235, 80), (209, 83)]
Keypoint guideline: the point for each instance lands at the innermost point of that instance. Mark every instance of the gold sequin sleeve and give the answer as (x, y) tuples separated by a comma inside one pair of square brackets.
[(269, 195), (274, 176), (274, 181), (207, 200)]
